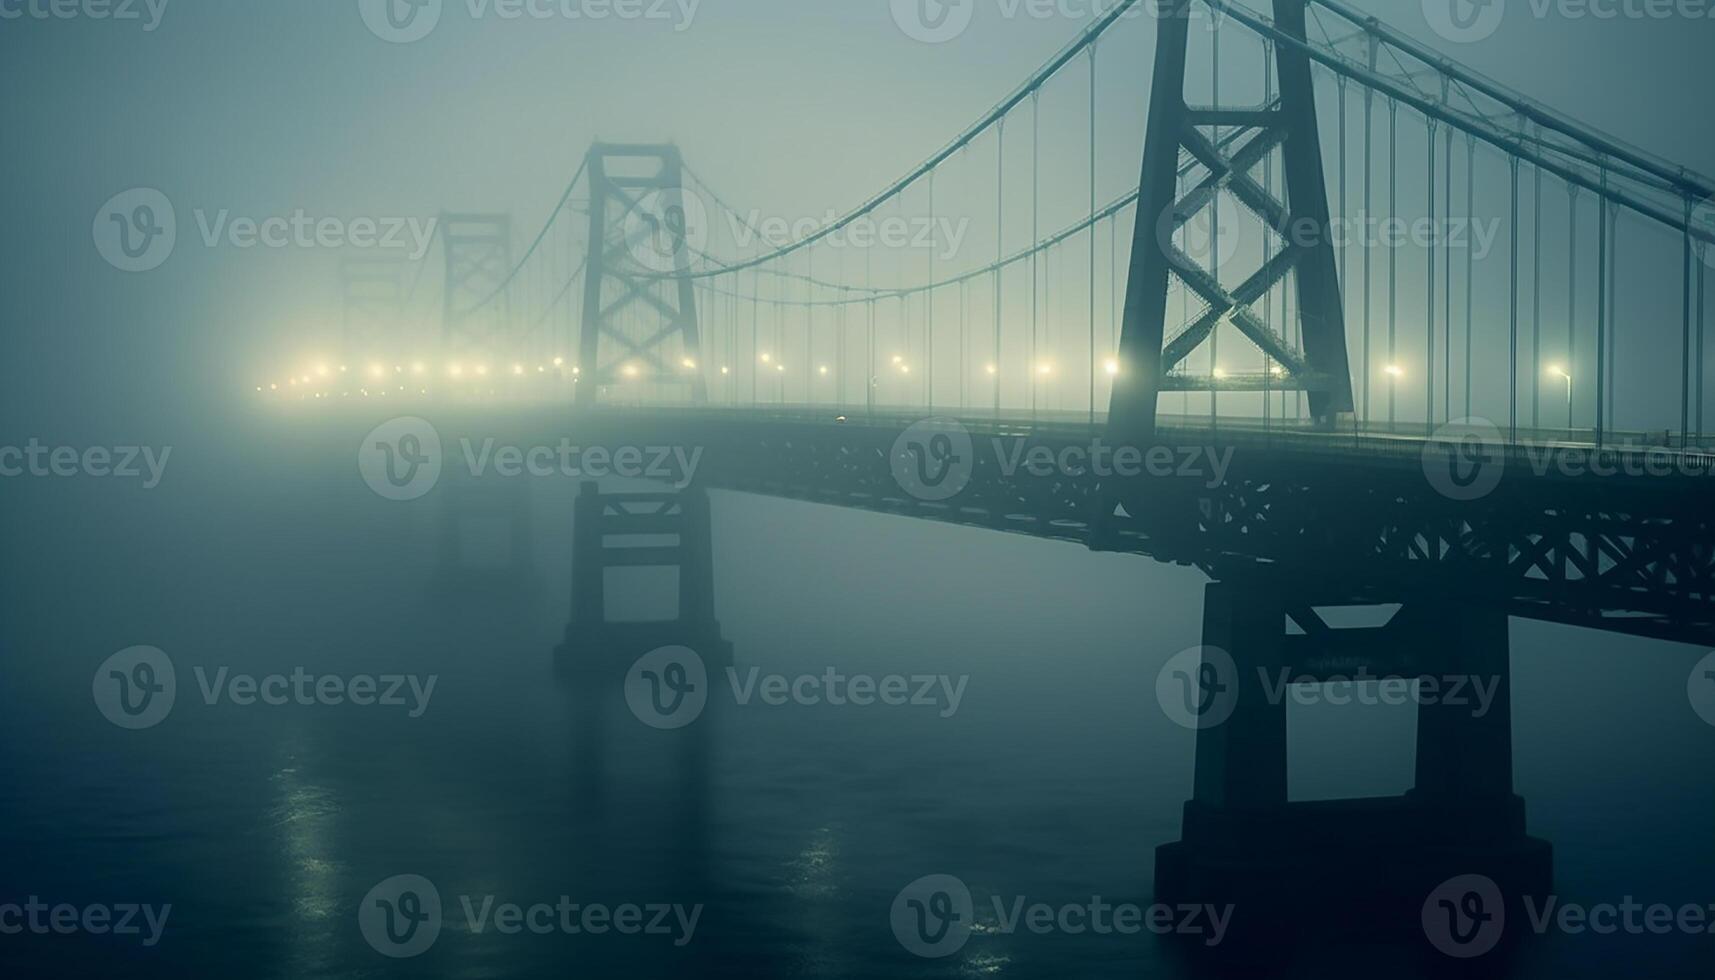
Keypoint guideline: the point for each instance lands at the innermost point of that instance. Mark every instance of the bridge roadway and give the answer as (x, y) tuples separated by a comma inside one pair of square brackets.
[(1622, 539)]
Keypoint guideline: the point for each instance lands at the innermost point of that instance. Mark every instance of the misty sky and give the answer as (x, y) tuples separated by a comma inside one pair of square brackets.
[(788, 106)]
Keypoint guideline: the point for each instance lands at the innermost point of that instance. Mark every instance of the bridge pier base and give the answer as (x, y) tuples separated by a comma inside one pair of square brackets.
[(640, 530), (1296, 871)]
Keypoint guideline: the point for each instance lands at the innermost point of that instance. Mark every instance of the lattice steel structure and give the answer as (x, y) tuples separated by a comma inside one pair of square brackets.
[(640, 310), (1302, 244), (477, 310), (372, 298)]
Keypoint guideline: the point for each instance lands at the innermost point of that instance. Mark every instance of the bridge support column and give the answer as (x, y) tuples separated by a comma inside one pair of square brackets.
[(1308, 870), (640, 530), (1241, 763)]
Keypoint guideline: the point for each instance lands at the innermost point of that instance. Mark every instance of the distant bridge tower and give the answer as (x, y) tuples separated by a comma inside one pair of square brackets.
[(476, 318), (1289, 124), (372, 296), (640, 311)]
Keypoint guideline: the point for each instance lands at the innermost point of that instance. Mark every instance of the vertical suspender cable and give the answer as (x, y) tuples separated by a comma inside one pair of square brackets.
[(1094, 357), (1685, 341), (1602, 313), (1429, 295), (1536, 304), (1470, 260), (1512, 311), (929, 300), (1369, 170), (1392, 264), (999, 251), (1571, 296)]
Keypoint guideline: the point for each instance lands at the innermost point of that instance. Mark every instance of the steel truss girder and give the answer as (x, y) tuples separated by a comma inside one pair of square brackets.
[(606, 348), (1627, 554)]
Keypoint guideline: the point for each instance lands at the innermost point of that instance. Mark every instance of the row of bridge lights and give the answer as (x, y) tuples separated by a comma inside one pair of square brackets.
[(456, 371), (323, 374)]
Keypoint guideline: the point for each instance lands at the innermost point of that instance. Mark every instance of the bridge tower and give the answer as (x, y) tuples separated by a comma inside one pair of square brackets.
[(372, 297), (1248, 136), (476, 317), (640, 311)]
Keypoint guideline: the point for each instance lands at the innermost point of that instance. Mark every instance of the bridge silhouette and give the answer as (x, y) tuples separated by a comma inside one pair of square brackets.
[(1359, 469)]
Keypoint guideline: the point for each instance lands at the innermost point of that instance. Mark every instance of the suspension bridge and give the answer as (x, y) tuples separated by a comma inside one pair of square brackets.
[(1402, 302), (1266, 286)]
